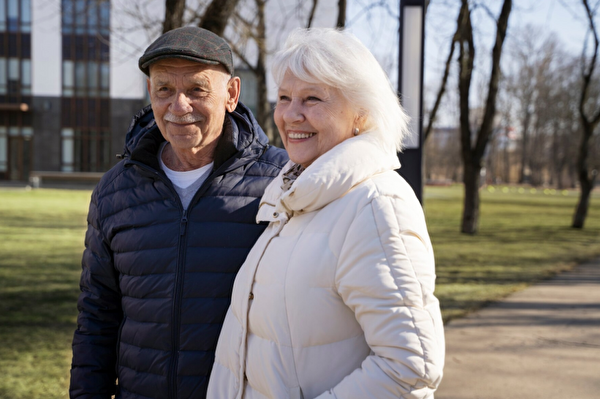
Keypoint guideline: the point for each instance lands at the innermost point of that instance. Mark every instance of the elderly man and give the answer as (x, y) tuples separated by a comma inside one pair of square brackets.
[(169, 226)]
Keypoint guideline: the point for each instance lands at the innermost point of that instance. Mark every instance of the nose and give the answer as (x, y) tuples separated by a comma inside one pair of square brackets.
[(181, 105), (293, 112)]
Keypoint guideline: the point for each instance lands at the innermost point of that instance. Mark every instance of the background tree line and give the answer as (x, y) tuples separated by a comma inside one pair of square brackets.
[(532, 116), (523, 109)]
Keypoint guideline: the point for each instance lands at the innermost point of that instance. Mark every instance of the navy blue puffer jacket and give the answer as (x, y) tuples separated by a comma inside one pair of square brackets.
[(156, 280)]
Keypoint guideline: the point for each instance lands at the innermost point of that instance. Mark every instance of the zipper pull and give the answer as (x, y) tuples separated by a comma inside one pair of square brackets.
[(183, 224)]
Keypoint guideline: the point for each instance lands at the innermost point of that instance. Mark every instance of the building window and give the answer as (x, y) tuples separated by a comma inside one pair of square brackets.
[(67, 150), (16, 132), (15, 16), (85, 150), (86, 75), (3, 150)]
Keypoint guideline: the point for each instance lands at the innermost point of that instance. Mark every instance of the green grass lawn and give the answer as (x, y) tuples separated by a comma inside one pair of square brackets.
[(42, 234), (523, 237)]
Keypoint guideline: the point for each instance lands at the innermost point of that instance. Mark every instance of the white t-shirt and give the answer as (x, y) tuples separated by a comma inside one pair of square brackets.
[(186, 183)]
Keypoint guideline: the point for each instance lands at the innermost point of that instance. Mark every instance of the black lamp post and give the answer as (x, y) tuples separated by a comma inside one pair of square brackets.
[(410, 88)]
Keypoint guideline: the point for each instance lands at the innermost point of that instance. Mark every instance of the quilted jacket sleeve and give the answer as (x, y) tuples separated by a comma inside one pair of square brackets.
[(386, 276), (94, 344)]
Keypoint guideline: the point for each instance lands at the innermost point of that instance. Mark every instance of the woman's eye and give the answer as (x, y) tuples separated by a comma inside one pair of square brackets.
[(284, 98), (313, 99)]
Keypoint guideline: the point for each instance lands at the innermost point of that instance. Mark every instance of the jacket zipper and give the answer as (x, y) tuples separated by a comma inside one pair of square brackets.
[(177, 297), (175, 330), (175, 319)]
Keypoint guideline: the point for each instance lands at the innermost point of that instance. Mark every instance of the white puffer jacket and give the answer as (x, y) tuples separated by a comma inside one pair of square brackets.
[(335, 300)]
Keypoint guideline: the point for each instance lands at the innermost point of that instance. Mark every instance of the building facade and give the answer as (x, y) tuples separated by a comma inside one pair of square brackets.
[(69, 81), (61, 108)]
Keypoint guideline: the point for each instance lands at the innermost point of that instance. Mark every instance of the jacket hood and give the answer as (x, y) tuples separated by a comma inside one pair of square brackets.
[(241, 132), (328, 178)]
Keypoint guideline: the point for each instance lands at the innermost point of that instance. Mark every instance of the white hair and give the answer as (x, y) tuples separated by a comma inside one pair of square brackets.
[(339, 60)]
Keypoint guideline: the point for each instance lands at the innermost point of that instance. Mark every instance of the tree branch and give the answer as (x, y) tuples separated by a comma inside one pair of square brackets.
[(442, 89), (587, 75), (217, 15), (312, 13), (341, 19), (490, 106), (466, 60), (173, 14)]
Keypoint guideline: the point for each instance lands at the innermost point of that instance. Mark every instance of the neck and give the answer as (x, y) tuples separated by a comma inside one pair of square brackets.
[(189, 159)]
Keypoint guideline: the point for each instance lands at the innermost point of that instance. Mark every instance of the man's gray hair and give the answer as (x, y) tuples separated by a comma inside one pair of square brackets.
[(339, 60)]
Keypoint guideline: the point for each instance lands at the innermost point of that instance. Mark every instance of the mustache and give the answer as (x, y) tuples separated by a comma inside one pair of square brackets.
[(187, 118)]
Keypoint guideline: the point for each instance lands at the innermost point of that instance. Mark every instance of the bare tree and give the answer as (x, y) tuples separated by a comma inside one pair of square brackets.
[(217, 15), (473, 154), (311, 16), (341, 19), (174, 10), (589, 120), (442, 89), (253, 29), (524, 89), (214, 18)]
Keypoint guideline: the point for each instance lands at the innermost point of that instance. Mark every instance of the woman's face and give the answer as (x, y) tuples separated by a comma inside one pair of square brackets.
[(311, 118)]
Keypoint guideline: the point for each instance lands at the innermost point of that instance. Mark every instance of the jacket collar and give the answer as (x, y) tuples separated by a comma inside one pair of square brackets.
[(328, 178)]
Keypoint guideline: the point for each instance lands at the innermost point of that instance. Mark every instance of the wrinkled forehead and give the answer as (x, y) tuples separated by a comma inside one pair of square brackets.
[(175, 67)]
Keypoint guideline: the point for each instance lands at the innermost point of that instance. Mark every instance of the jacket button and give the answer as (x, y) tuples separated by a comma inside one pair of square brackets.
[(251, 296), (275, 214)]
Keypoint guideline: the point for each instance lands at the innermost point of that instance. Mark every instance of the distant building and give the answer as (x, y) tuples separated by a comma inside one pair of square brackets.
[(69, 81), (59, 108)]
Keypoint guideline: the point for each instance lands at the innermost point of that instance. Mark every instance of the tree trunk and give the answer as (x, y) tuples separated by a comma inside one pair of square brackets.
[(473, 155), (263, 111), (524, 150), (173, 14), (586, 179), (586, 186), (506, 160), (217, 14), (466, 58), (470, 217), (341, 19), (311, 16)]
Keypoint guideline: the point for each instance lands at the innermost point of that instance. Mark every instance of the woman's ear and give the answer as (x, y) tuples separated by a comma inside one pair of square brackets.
[(360, 121)]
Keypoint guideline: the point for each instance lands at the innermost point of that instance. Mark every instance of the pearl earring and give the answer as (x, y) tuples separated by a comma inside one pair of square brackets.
[(355, 131)]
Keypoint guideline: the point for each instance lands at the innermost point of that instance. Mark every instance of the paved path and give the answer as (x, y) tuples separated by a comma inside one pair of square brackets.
[(542, 342)]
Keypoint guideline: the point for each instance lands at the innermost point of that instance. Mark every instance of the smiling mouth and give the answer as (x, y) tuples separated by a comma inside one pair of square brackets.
[(300, 135)]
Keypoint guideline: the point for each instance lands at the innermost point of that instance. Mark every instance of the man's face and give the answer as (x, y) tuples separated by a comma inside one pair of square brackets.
[(189, 100)]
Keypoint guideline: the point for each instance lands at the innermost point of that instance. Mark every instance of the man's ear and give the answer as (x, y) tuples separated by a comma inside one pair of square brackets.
[(233, 93), (148, 85)]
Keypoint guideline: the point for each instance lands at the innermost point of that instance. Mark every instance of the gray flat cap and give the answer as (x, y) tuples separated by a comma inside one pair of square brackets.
[(191, 43)]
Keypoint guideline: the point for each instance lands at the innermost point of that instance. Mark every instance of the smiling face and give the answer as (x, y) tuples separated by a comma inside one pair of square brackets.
[(189, 100), (311, 118)]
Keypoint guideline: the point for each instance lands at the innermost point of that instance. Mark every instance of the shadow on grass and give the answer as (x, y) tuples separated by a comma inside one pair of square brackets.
[(31, 307)]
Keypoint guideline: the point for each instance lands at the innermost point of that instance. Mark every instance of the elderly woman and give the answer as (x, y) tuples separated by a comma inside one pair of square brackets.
[(335, 300)]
